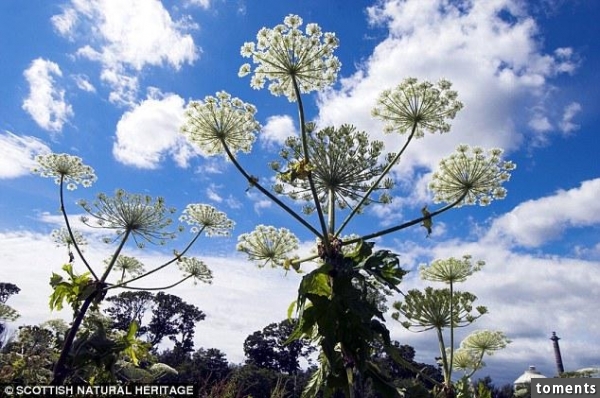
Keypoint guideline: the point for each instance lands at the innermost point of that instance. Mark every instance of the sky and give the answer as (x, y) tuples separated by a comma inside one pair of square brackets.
[(109, 80)]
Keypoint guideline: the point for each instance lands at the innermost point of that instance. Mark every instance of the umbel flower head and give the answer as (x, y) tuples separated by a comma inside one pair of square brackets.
[(419, 105), (127, 265), (219, 121), (473, 175), (137, 215), (268, 245), (65, 168), (344, 164), (285, 54), (62, 238), (450, 270), (485, 341), (207, 218), (195, 268)]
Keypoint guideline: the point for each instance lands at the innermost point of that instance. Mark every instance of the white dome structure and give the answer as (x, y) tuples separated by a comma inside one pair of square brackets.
[(525, 379)]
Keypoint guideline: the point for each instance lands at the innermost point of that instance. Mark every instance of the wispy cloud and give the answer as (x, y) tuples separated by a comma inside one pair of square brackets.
[(18, 154)]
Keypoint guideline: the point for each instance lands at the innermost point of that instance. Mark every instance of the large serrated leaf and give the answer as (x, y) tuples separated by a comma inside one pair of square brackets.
[(316, 282)]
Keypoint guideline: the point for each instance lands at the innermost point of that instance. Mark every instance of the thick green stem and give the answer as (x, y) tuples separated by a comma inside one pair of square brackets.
[(451, 364), (445, 367), (306, 154), (252, 180), (331, 212), (69, 229), (376, 183), (60, 368)]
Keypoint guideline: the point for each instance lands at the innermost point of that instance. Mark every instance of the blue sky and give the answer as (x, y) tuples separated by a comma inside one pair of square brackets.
[(108, 81)]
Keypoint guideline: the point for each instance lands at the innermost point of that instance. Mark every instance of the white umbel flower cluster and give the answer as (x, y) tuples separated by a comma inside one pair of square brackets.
[(422, 106), (65, 168), (220, 121), (451, 270), (196, 269), (268, 245), (212, 221), (285, 54), (472, 174)]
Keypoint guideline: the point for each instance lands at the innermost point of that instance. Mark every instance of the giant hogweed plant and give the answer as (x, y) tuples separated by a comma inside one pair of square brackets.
[(445, 310), (130, 218), (332, 173)]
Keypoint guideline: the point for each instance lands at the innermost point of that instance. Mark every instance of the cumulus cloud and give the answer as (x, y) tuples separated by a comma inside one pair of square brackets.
[(149, 132), (125, 37), (536, 222), (492, 52), (277, 129), (18, 154), (46, 102)]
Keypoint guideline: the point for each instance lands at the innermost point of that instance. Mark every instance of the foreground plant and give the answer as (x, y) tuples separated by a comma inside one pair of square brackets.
[(129, 217), (446, 310), (334, 173)]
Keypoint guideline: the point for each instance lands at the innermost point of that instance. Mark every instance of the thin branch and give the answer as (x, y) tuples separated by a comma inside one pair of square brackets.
[(252, 180), (406, 224), (376, 183), (71, 235), (177, 257), (157, 288)]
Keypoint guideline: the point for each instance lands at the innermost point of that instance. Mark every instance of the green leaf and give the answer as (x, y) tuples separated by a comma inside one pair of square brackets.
[(316, 282)]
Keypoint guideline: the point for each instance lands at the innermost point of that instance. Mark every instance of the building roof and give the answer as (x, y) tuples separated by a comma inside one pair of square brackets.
[(529, 374)]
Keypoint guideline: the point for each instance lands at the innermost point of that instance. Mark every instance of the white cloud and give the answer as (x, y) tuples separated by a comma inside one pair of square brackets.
[(570, 111), (150, 131), (201, 3), (83, 83), (277, 130), (46, 102), (125, 37), (536, 222), (18, 154), (211, 193), (497, 65)]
